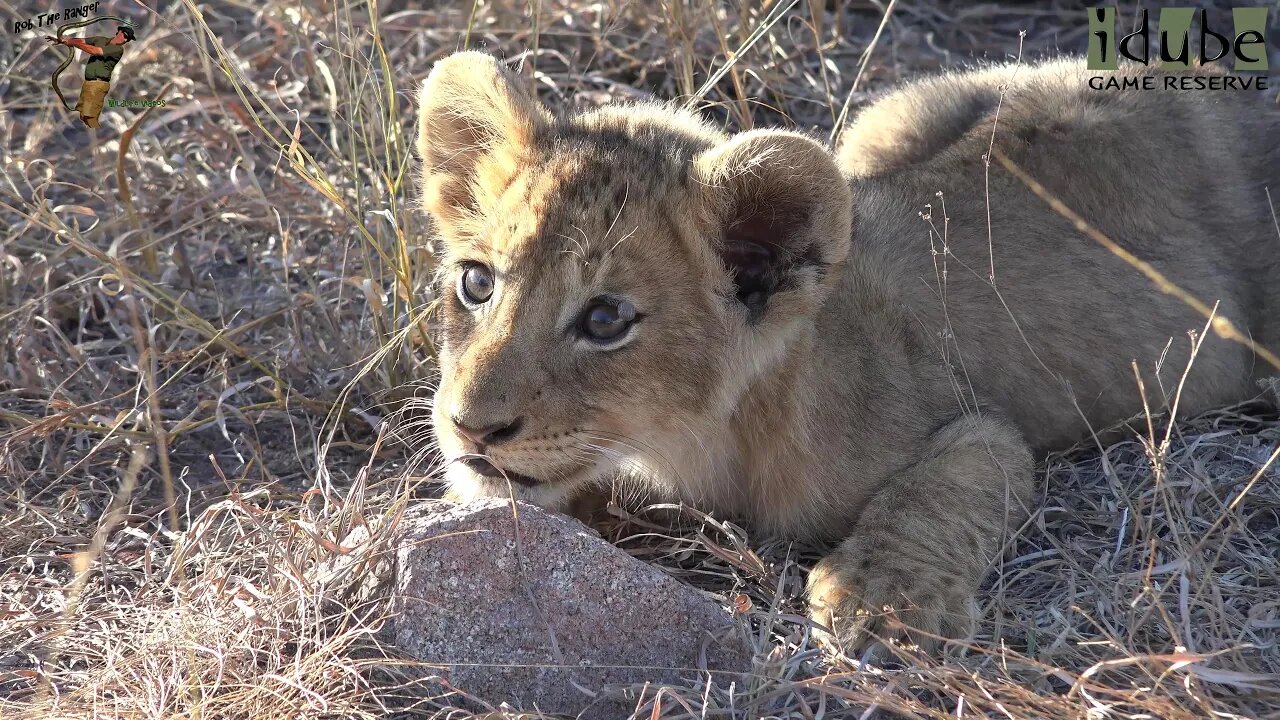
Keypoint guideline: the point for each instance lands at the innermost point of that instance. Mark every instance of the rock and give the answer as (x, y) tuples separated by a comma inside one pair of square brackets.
[(519, 617)]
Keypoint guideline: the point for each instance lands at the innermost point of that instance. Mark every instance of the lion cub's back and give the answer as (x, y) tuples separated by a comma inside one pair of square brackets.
[(1175, 177)]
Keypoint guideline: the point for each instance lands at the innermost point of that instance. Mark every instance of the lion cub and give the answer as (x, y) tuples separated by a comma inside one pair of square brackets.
[(856, 345)]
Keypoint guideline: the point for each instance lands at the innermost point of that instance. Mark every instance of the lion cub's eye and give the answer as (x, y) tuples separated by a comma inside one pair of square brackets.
[(475, 285), (606, 320)]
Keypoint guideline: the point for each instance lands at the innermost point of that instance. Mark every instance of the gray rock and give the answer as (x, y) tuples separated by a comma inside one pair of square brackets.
[(517, 604)]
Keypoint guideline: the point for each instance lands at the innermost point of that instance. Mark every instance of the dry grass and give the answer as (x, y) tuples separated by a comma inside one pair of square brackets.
[(204, 325)]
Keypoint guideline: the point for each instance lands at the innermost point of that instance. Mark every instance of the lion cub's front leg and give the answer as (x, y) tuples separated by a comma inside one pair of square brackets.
[(920, 547)]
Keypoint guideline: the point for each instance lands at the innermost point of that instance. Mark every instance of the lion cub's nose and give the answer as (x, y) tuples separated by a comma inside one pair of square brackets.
[(490, 434)]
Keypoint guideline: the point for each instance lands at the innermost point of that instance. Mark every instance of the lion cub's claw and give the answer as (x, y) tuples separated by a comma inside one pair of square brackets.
[(861, 608)]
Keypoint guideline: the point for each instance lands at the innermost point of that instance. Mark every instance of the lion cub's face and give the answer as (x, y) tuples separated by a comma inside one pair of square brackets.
[(610, 284)]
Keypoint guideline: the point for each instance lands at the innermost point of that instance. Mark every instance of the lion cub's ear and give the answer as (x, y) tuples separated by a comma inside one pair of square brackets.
[(784, 211), (474, 119)]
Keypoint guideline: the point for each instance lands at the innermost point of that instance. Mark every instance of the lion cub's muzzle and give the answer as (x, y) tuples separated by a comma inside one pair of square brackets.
[(481, 437)]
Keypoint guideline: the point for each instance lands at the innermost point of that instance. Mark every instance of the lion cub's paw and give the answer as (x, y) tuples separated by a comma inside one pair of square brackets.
[(865, 599)]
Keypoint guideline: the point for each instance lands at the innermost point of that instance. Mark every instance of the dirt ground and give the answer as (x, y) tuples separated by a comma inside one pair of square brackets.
[(212, 313)]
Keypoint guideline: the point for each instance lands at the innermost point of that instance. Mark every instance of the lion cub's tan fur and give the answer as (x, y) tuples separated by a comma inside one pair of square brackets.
[(811, 352)]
